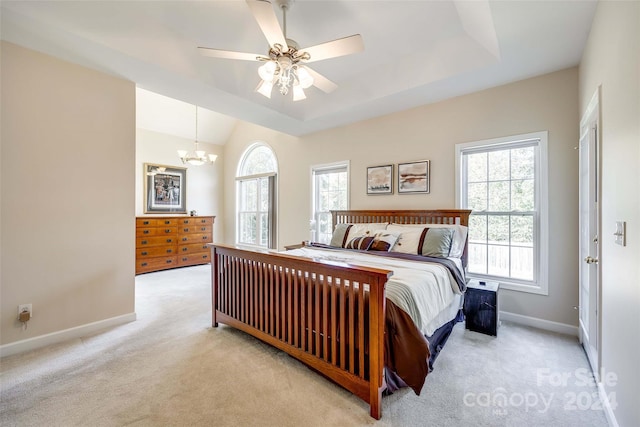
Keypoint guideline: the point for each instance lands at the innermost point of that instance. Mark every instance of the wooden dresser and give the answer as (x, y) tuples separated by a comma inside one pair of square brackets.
[(172, 241)]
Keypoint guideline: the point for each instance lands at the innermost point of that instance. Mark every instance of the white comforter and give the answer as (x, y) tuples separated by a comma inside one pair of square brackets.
[(422, 289)]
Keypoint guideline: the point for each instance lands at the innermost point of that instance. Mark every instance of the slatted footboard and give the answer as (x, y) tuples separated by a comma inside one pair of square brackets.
[(329, 316)]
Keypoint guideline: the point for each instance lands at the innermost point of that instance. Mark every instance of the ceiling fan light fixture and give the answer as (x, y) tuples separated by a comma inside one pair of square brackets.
[(298, 93), (267, 71), (305, 79), (265, 88), (285, 64)]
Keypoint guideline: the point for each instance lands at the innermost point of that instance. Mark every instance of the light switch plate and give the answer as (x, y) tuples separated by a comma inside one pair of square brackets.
[(621, 233)]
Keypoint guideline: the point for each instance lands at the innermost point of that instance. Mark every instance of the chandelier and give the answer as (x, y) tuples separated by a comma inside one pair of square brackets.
[(196, 157), (283, 70)]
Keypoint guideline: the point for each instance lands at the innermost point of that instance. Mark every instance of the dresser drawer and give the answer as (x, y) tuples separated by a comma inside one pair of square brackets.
[(156, 231), (195, 238), (146, 222), (193, 259), (155, 241), (153, 264), (195, 220), (193, 248), (156, 251), (183, 229)]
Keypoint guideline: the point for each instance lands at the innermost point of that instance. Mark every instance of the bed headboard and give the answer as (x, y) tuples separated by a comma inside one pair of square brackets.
[(438, 216)]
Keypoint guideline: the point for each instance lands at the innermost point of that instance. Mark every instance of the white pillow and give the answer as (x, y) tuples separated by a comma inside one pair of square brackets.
[(365, 229), (459, 237), (408, 242)]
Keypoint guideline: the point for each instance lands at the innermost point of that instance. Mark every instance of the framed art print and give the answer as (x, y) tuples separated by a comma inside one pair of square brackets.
[(380, 179), (413, 177), (165, 189)]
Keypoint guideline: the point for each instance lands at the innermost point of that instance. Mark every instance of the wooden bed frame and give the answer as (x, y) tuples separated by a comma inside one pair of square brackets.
[(318, 312)]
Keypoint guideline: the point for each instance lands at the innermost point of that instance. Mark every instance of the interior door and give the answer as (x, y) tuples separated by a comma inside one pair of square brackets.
[(589, 307)]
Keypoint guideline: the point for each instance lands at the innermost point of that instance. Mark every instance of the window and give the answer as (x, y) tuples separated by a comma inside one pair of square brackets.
[(256, 202), (330, 192), (504, 182)]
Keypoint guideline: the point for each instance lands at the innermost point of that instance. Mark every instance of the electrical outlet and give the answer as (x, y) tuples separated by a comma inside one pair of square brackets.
[(25, 307)]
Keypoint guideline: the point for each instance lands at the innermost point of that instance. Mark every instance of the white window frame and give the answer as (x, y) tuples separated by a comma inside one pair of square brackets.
[(540, 284), (314, 193), (273, 216)]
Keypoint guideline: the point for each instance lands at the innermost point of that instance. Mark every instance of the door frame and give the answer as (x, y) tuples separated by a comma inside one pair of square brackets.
[(592, 117)]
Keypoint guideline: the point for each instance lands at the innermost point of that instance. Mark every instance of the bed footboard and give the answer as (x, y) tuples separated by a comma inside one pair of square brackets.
[(329, 316)]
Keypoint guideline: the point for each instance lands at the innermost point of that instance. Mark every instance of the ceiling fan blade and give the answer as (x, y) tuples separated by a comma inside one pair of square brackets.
[(321, 82), (335, 48), (268, 21), (228, 54)]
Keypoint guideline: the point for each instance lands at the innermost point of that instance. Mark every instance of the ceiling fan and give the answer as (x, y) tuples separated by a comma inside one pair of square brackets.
[(285, 63)]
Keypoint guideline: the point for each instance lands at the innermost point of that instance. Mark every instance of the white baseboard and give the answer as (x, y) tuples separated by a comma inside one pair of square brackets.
[(534, 322), (606, 405), (64, 335)]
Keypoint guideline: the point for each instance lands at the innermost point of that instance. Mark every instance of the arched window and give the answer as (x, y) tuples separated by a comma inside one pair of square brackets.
[(256, 197)]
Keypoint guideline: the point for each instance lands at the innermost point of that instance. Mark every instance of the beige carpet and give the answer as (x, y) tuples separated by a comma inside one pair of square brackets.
[(170, 368)]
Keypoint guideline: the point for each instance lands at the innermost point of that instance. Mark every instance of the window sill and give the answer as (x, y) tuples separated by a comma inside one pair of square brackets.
[(518, 287)]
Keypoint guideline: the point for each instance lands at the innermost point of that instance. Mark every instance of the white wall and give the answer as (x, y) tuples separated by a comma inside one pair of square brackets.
[(612, 60), (204, 183), (430, 132), (68, 146)]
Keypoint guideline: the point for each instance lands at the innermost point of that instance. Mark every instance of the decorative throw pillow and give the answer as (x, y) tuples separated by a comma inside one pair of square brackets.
[(409, 242), (339, 237), (365, 229), (362, 243), (437, 242), (383, 241), (459, 237)]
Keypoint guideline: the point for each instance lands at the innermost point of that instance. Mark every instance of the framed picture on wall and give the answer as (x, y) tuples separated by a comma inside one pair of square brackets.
[(413, 177), (165, 189), (380, 179)]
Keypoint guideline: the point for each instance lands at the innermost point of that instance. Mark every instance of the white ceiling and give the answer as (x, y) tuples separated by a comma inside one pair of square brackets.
[(162, 114), (416, 52)]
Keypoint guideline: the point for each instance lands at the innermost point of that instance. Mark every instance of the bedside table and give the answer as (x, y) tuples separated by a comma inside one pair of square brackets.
[(481, 307)]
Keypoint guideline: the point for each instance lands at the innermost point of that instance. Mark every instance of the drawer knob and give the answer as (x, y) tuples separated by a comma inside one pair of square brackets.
[(204, 257), (184, 239), (145, 232), (169, 251), (144, 264), (203, 228), (186, 221), (145, 223), (204, 237), (168, 261), (185, 258), (185, 249), (169, 240), (167, 230), (186, 230), (167, 222), (145, 253), (144, 242)]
